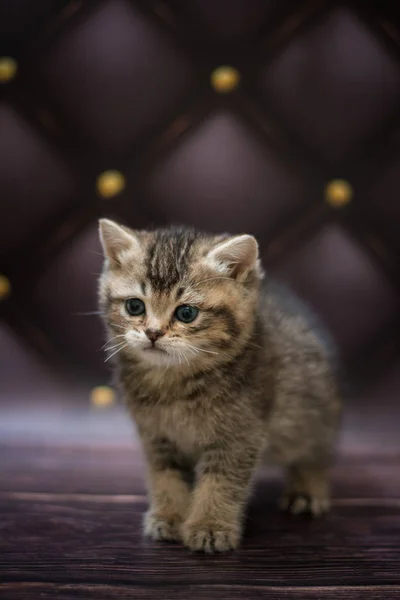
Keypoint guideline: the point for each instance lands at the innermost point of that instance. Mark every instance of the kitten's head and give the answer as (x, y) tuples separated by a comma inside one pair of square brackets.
[(176, 297)]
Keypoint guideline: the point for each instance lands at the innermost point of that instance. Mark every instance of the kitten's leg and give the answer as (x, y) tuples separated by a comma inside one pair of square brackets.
[(214, 523), (169, 490), (307, 490)]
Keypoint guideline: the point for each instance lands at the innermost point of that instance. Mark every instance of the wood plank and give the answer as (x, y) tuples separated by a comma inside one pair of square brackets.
[(49, 591), (60, 540), (72, 470), (121, 471), (74, 514)]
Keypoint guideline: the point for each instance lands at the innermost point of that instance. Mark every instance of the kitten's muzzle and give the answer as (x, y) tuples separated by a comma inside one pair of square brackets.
[(154, 334)]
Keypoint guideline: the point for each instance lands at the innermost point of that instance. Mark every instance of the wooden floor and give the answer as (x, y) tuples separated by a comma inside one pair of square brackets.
[(70, 528)]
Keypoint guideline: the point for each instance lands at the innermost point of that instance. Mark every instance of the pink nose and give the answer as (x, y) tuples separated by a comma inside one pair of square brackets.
[(154, 334)]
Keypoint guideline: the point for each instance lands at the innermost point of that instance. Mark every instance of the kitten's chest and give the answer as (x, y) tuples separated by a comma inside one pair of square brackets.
[(190, 425)]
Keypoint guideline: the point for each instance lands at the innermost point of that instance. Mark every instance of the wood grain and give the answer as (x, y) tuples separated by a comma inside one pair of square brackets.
[(65, 539), (71, 528), (49, 591), (95, 470)]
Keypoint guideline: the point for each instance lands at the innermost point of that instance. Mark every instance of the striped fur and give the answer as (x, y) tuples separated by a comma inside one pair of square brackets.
[(249, 378)]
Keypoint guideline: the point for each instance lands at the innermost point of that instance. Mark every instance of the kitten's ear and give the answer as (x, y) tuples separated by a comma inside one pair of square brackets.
[(236, 256), (115, 240)]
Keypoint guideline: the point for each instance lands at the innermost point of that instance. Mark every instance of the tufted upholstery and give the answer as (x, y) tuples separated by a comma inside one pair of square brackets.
[(124, 84)]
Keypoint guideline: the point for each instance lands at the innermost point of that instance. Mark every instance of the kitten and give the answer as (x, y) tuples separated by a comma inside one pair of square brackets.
[(217, 375)]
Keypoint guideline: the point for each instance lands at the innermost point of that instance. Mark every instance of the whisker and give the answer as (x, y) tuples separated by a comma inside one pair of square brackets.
[(211, 279), (179, 356), (255, 345), (86, 314), (118, 326), (115, 352), (115, 346), (186, 358), (102, 255), (110, 340), (193, 351), (201, 349)]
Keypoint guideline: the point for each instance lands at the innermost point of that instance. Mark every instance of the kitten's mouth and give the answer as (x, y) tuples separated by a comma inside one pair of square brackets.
[(155, 349)]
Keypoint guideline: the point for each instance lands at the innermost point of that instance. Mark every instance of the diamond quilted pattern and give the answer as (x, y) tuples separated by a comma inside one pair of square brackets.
[(17, 359), (222, 177), (335, 275), (369, 422), (381, 201), (115, 75), (34, 180), (16, 16), (114, 81), (67, 290), (333, 85), (228, 20)]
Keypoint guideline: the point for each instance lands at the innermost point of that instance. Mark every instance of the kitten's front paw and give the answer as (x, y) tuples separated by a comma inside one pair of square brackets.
[(203, 536), (161, 527)]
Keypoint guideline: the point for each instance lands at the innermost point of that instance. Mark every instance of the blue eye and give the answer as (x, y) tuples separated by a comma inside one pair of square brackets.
[(186, 313), (135, 307)]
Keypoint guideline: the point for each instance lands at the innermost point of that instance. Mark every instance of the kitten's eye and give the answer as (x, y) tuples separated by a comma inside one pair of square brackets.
[(186, 313), (135, 307)]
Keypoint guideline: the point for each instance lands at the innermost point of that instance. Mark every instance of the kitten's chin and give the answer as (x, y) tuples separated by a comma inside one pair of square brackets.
[(157, 357)]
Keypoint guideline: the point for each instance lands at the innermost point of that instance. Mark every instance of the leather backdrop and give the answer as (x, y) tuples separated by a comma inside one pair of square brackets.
[(125, 85)]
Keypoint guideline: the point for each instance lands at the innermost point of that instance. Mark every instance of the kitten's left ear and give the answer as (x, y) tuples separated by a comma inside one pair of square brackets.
[(236, 256), (115, 240)]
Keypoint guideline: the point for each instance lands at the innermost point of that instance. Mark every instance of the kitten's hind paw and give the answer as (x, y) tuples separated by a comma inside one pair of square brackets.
[(303, 504), (307, 491), (161, 527)]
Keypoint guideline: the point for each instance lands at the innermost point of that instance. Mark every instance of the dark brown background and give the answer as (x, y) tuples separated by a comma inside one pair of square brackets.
[(123, 84)]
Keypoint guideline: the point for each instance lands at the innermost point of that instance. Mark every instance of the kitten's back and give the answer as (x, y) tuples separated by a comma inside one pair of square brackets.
[(282, 308)]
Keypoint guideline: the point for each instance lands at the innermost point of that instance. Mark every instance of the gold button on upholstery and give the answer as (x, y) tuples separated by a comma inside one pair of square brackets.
[(225, 79), (110, 184), (102, 396), (338, 193), (5, 287), (8, 68)]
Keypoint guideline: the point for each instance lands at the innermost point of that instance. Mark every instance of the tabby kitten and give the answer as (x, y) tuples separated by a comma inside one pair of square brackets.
[(217, 375)]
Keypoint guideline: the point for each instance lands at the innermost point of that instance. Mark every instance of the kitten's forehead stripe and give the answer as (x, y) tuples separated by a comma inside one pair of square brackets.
[(168, 257)]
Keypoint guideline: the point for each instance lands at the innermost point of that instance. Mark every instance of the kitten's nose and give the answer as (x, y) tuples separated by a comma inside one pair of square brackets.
[(153, 334)]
